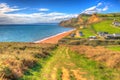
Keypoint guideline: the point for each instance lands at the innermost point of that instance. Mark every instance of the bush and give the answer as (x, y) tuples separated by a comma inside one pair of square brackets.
[(94, 42)]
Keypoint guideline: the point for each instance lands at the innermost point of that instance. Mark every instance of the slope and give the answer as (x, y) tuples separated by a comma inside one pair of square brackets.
[(66, 64)]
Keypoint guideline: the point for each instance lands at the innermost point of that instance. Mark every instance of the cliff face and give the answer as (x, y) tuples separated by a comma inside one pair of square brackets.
[(79, 20), (94, 18), (76, 22)]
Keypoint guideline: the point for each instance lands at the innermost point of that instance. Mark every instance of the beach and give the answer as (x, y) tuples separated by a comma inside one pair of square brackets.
[(54, 39)]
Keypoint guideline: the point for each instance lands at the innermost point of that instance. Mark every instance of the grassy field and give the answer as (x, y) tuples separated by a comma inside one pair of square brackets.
[(105, 26), (87, 32), (66, 64), (114, 47)]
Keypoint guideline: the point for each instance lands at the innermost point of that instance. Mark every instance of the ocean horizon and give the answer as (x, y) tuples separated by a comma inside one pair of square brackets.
[(30, 32)]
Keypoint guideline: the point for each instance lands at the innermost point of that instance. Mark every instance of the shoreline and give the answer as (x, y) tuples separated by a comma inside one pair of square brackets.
[(54, 39)]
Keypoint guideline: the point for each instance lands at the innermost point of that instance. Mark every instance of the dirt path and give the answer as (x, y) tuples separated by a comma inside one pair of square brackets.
[(61, 60), (65, 75), (77, 33), (53, 74), (78, 75), (67, 53)]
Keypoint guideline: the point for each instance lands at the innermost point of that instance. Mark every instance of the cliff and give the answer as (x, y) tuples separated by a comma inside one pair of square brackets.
[(74, 22), (94, 18), (80, 21)]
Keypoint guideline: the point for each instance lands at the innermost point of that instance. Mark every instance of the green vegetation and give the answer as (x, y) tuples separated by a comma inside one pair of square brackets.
[(93, 29), (87, 32), (67, 64), (59, 74), (105, 26), (42, 63), (99, 71), (93, 24), (109, 15), (17, 58), (29, 61), (34, 73), (114, 47)]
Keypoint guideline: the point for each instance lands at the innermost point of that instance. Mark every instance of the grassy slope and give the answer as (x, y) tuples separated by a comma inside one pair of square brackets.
[(114, 47), (103, 26), (106, 26), (69, 65), (88, 32)]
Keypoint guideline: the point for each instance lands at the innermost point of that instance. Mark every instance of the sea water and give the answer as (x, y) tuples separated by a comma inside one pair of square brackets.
[(29, 33)]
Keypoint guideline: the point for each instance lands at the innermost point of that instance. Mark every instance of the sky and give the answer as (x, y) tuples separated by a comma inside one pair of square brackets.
[(51, 11)]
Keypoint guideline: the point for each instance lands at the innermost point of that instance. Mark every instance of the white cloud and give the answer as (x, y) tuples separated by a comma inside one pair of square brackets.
[(99, 4), (95, 9), (4, 8), (34, 18), (43, 9), (105, 8), (41, 17)]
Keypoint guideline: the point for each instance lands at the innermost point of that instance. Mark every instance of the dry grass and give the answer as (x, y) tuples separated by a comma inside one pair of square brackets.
[(101, 54), (16, 58)]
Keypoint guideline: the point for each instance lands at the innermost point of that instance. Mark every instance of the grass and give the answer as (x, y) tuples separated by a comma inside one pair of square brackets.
[(114, 48), (87, 32), (34, 73), (100, 54), (97, 70), (63, 57), (17, 58), (60, 62), (105, 26), (28, 61), (59, 74)]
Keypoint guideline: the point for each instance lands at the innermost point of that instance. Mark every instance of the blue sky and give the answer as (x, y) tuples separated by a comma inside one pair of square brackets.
[(51, 11)]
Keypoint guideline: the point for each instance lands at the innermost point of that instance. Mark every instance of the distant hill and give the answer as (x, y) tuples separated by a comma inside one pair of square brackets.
[(74, 22), (86, 19), (82, 19), (110, 15)]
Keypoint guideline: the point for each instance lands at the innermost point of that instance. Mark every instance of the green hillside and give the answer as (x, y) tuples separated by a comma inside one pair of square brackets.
[(93, 24), (106, 26), (103, 26)]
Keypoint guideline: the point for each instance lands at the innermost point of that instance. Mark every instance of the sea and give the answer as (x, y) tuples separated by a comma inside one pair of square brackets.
[(29, 33)]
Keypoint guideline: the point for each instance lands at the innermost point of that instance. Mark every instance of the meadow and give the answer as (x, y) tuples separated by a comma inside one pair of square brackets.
[(106, 26), (103, 26), (114, 47)]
